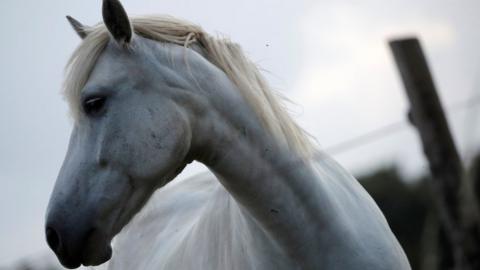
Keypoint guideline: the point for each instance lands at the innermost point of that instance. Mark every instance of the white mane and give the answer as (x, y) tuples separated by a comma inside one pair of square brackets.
[(223, 53)]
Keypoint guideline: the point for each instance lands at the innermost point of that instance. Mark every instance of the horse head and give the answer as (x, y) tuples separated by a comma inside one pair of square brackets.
[(132, 134)]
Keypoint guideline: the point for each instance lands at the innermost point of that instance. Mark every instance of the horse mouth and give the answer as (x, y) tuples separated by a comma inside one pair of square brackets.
[(97, 256), (87, 259), (96, 251)]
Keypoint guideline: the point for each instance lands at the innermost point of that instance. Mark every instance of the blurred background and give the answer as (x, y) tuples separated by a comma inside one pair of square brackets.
[(330, 58)]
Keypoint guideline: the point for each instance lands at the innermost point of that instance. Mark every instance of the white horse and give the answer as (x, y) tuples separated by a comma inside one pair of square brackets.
[(148, 96)]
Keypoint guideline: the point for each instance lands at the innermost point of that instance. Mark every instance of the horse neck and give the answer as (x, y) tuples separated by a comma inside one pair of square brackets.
[(277, 187)]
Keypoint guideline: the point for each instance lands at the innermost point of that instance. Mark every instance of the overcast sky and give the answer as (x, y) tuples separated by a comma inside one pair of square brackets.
[(329, 57)]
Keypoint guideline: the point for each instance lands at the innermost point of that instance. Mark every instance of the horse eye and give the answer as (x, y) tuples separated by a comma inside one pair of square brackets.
[(94, 105)]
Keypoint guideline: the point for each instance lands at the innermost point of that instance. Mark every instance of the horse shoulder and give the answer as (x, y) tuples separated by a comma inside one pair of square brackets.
[(358, 226)]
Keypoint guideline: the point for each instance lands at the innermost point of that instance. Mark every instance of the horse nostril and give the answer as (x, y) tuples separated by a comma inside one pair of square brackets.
[(53, 239)]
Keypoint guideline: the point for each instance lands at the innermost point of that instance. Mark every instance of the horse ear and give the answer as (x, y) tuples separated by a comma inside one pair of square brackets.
[(117, 22), (78, 27)]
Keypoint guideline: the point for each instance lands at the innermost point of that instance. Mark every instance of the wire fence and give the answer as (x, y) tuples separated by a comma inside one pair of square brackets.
[(392, 128)]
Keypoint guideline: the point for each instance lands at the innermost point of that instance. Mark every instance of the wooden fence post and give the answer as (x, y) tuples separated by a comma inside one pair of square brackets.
[(447, 171)]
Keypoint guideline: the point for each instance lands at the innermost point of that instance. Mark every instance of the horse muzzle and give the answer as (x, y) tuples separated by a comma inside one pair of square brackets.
[(75, 246)]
